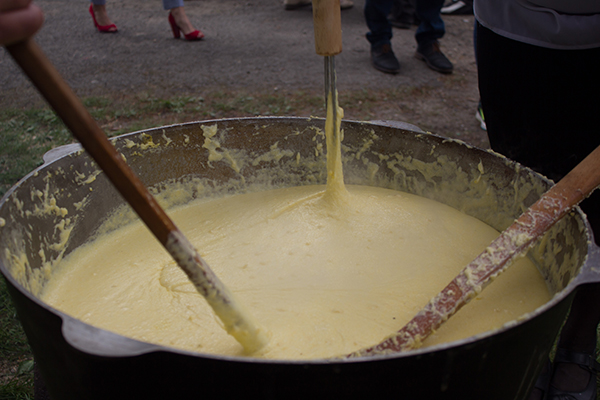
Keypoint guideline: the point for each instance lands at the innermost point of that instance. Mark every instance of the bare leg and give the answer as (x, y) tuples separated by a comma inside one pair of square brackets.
[(182, 20), (101, 15)]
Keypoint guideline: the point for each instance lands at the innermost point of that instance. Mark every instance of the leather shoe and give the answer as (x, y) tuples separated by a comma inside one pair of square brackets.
[(585, 361), (294, 4), (384, 60), (346, 4), (434, 58)]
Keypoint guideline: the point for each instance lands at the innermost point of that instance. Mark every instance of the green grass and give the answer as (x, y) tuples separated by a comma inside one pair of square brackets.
[(16, 361), (25, 137)]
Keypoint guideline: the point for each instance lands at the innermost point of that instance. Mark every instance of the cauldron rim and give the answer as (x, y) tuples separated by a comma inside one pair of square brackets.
[(593, 257)]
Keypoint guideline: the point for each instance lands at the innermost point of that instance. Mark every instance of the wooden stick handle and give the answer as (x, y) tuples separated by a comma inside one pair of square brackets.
[(327, 20), (45, 77), (514, 241)]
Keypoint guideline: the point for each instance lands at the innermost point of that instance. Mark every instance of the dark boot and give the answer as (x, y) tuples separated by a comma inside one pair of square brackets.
[(434, 58), (384, 60)]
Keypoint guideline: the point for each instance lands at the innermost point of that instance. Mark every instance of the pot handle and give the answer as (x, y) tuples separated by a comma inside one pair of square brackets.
[(61, 151), (100, 342)]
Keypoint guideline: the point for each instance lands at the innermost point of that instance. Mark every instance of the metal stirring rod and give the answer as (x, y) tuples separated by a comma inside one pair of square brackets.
[(330, 87)]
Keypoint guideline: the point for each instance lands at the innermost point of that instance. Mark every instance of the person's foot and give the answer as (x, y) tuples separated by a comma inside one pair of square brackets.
[(457, 7), (434, 58), (574, 376), (346, 4), (101, 20), (182, 20), (294, 4), (384, 60)]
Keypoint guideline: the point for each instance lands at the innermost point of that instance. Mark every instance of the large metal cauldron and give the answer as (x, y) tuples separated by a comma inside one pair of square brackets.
[(59, 206)]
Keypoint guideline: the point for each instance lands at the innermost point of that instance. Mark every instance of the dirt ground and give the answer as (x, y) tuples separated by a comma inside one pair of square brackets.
[(250, 46)]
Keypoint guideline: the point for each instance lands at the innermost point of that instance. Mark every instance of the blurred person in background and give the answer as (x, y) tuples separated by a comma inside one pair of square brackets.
[(431, 29), (178, 20), (537, 64)]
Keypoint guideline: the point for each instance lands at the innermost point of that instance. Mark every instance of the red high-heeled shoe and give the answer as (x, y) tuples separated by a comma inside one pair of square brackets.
[(112, 28), (196, 35)]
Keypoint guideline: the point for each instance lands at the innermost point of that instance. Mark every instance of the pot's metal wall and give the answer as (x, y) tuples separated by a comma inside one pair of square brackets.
[(500, 367), (279, 151)]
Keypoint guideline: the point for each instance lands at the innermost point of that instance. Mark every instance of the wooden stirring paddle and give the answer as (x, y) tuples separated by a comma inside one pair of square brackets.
[(69, 108), (513, 242)]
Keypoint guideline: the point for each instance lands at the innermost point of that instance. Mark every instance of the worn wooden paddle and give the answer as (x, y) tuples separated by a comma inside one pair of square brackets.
[(69, 108), (513, 242)]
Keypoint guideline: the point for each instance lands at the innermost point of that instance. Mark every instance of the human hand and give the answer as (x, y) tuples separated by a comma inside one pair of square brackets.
[(19, 20)]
